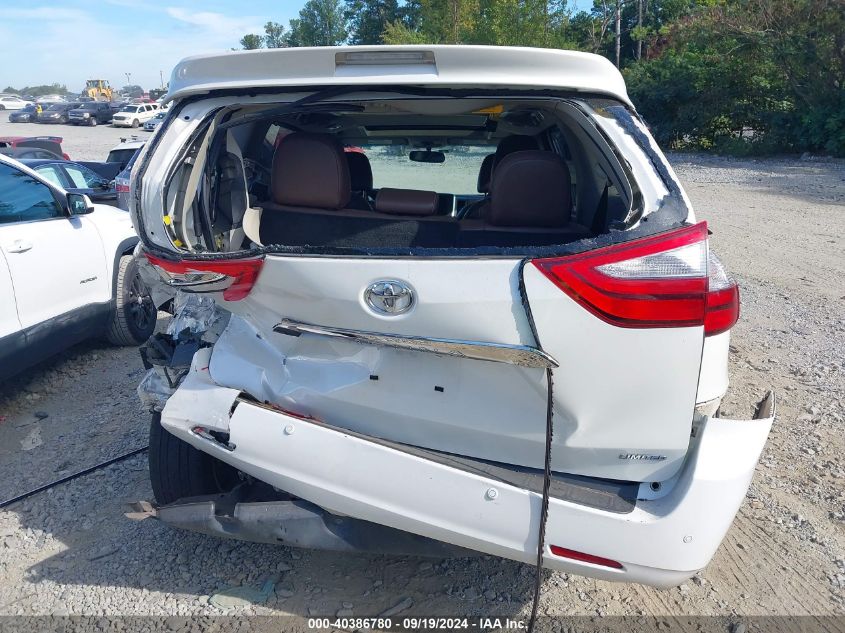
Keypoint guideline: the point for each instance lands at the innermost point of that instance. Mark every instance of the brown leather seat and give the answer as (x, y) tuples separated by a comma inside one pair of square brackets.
[(410, 202), (507, 146), (530, 200), (531, 189), (360, 180), (310, 171), (310, 192)]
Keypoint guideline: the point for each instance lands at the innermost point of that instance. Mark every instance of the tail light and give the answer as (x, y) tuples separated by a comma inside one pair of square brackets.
[(722, 298), (234, 277), (658, 281), (121, 186)]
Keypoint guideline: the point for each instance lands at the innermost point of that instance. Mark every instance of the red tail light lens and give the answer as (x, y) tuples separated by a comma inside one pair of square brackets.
[(584, 558), (121, 187), (658, 281), (234, 277), (722, 298)]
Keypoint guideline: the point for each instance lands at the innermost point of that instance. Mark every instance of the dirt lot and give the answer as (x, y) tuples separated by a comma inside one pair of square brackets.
[(777, 225)]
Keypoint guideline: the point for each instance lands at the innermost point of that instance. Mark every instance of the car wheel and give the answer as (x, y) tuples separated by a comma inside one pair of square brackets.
[(92, 121), (178, 470), (134, 317), (136, 123), (2, 107)]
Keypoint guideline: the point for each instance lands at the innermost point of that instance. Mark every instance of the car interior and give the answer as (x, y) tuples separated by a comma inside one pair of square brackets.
[(403, 173)]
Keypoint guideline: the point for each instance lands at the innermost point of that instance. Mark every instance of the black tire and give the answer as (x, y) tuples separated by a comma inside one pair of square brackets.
[(136, 123), (2, 107), (134, 317), (93, 121), (178, 470)]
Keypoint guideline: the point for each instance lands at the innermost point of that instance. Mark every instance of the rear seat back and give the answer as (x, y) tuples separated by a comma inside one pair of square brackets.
[(360, 179), (531, 189), (530, 202), (310, 192), (310, 170)]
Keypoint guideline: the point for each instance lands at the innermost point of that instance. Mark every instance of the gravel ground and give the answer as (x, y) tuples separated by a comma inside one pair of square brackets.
[(776, 225)]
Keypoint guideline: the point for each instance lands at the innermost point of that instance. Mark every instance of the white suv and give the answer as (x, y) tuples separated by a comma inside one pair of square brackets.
[(66, 272), (12, 102), (444, 292), (134, 115)]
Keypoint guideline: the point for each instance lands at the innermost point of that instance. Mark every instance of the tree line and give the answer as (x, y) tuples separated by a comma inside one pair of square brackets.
[(734, 76)]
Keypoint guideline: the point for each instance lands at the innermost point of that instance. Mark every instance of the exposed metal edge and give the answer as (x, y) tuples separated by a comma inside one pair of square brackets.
[(766, 407), (521, 355), (256, 513)]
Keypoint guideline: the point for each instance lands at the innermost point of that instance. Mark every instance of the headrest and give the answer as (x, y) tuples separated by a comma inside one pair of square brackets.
[(360, 172), (484, 173), (310, 170), (406, 202), (514, 143), (530, 189)]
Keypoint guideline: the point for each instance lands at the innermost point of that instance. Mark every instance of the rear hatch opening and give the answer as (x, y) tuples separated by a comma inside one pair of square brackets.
[(408, 263)]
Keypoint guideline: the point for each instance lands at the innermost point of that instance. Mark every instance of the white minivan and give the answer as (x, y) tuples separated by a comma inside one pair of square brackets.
[(437, 297)]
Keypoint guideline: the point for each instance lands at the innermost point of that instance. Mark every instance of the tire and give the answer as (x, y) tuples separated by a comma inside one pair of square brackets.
[(178, 470), (93, 121), (136, 123), (2, 107), (134, 317)]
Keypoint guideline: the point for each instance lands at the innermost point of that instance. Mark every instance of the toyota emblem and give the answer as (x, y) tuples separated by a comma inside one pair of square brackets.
[(389, 297)]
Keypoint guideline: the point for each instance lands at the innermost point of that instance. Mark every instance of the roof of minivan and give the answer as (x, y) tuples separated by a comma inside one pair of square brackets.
[(432, 66)]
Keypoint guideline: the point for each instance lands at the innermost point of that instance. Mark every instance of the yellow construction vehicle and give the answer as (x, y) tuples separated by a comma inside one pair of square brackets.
[(98, 89)]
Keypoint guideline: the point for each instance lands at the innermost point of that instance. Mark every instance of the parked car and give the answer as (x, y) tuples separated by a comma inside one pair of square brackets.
[(56, 113), (52, 144), (52, 98), (66, 272), (29, 153), (115, 163), (153, 123), (12, 102), (123, 152), (91, 113), (497, 325), (122, 181), (24, 115), (133, 115), (75, 178)]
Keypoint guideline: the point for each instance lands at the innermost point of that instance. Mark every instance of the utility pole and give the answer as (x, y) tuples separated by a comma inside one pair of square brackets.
[(161, 77), (128, 79), (618, 29), (640, 29)]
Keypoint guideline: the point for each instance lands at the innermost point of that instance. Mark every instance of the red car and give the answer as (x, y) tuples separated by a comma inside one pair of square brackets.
[(50, 143)]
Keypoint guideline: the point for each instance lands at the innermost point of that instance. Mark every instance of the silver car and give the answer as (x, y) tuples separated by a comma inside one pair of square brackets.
[(153, 123)]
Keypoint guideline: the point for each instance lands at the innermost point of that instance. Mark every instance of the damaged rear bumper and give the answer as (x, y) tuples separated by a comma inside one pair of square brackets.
[(661, 542)]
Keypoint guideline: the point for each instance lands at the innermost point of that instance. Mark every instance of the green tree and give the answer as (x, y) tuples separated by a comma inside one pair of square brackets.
[(37, 91), (368, 19), (320, 23), (274, 35), (251, 41)]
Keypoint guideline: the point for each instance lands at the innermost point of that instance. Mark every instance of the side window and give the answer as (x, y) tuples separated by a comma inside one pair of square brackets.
[(22, 198), (50, 173), (83, 177), (77, 177)]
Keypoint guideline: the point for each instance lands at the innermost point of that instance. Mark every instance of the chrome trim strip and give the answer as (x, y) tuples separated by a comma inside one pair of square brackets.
[(521, 355)]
